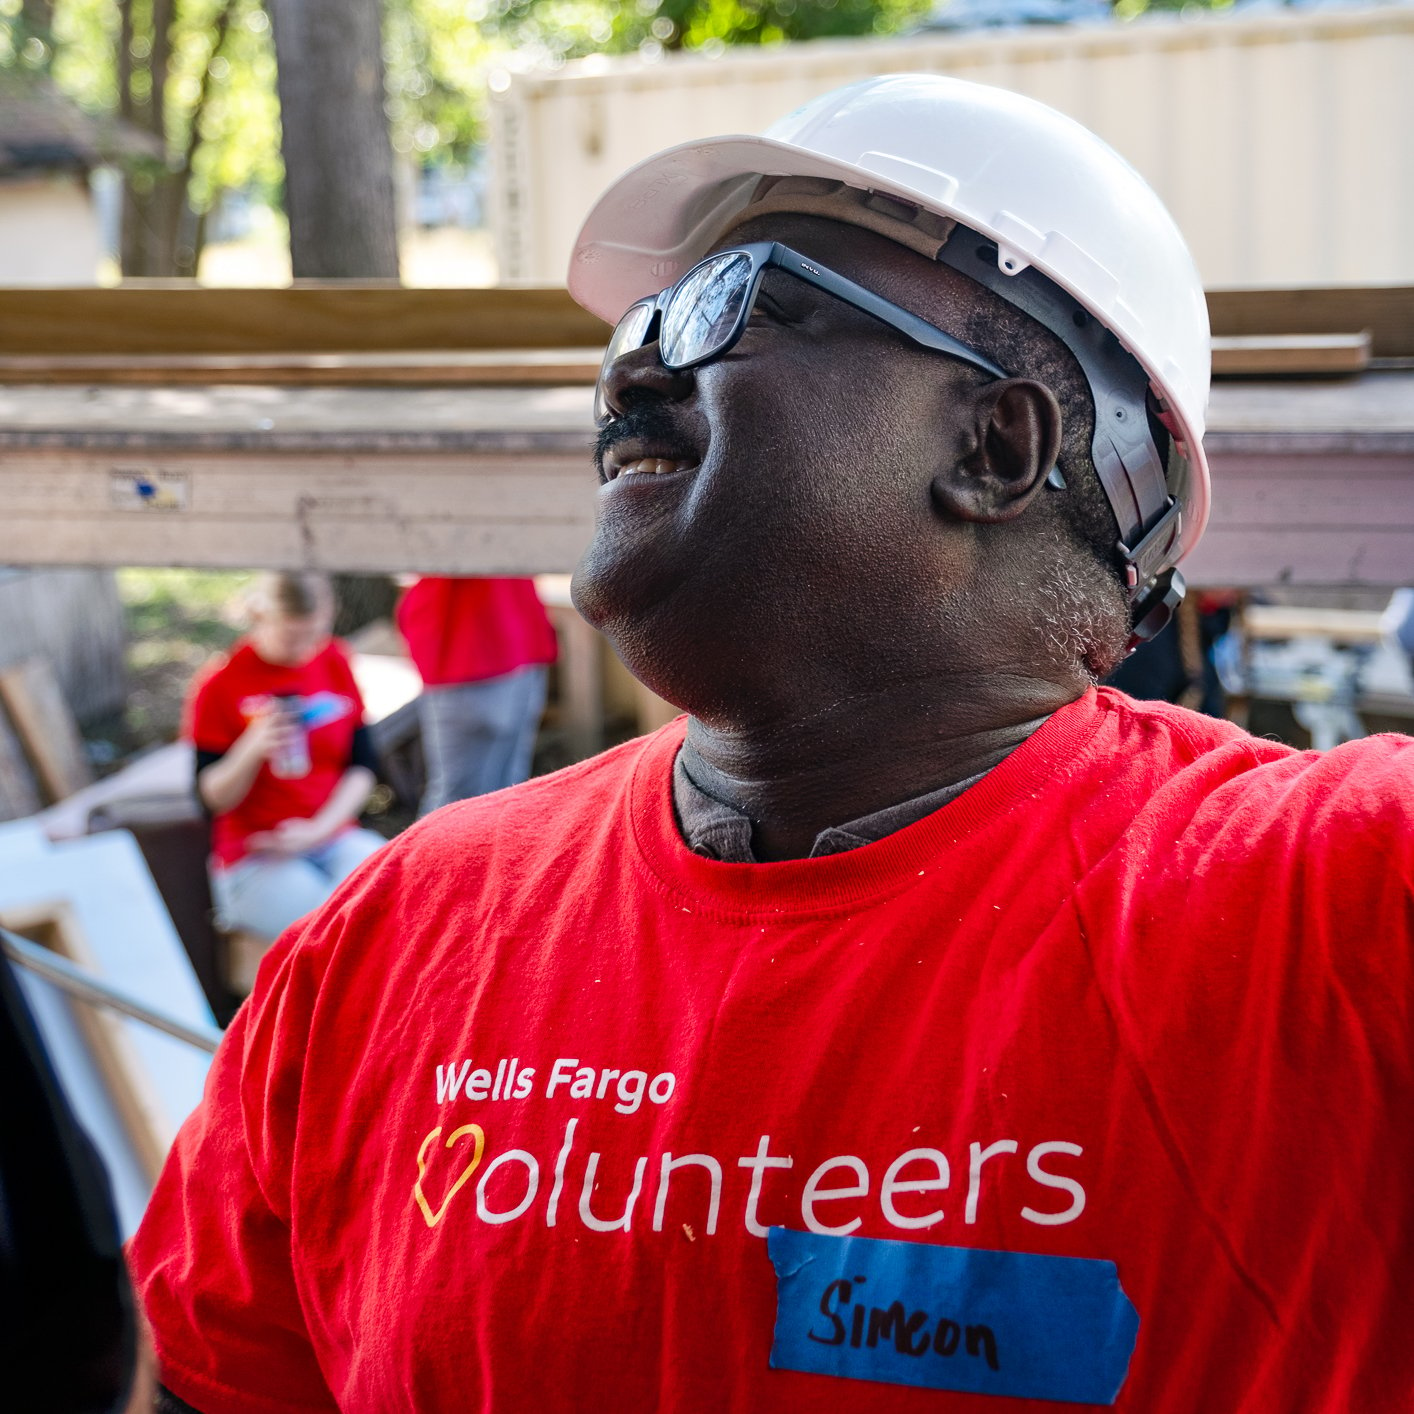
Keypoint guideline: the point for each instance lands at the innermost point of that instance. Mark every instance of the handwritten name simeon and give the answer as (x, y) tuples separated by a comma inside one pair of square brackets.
[(913, 1333)]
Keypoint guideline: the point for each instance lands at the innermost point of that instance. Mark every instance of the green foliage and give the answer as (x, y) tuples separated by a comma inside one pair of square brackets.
[(26, 34), (176, 620), (438, 52), (239, 132), (85, 45), (240, 127), (1131, 9), (435, 56), (192, 606), (714, 24)]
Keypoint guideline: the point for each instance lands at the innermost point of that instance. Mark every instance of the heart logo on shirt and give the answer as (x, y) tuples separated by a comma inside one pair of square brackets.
[(479, 1144)]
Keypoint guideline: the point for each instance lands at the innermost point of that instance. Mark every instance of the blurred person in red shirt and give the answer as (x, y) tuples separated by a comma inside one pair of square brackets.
[(284, 762), (483, 647)]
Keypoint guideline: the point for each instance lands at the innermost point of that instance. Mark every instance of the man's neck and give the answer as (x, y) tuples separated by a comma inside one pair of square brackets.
[(795, 778)]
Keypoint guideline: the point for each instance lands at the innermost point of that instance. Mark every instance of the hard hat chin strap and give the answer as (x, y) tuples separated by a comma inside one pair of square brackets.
[(1154, 607), (1126, 460)]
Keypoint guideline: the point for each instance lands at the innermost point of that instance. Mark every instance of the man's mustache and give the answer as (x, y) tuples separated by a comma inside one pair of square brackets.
[(646, 421)]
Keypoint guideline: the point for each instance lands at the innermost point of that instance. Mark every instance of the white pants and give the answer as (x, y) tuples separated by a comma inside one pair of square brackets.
[(264, 893)]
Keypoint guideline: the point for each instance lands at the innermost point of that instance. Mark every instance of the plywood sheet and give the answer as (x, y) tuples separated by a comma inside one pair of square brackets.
[(53, 925), (1238, 558), (30, 693), (19, 791), (109, 895), (1387, 311), (182, 317), (1265, 354)]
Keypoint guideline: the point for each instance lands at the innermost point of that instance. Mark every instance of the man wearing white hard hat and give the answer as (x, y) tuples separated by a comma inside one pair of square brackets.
[(912, 1025)]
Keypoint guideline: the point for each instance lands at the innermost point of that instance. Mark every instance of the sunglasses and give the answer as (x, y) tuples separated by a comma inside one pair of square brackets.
[(705, 313)]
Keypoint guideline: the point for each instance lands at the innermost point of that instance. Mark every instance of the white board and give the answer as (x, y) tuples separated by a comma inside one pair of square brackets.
[(102, 884)]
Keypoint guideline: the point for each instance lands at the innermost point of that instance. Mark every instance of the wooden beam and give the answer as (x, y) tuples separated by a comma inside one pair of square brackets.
[(1314, 481), (243, 954), (1387, 311), (268, 420), (305, 319), (1279, 621), (176, 318), (463, 513), (19, 792), (31, 694), (1285, 354), (450, 368)]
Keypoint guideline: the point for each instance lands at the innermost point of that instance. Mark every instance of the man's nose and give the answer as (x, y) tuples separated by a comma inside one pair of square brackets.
[(641, 375)]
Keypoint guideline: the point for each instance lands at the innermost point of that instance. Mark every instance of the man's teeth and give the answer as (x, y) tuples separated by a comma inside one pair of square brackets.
[(649, 466)]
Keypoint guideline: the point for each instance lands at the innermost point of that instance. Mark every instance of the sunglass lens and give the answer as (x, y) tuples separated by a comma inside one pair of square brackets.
[(701, 317), (628, 335)]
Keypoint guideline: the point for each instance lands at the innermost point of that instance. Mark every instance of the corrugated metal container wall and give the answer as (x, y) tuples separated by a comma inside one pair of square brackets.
[(1282, 143), (74, 618)]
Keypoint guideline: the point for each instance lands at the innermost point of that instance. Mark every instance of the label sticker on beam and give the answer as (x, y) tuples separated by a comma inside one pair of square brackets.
[(144, 489), (953, 1318)]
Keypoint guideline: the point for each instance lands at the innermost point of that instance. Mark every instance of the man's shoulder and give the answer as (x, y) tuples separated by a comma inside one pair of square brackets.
[(1220, 772), (1185, 733), (1191, 736)]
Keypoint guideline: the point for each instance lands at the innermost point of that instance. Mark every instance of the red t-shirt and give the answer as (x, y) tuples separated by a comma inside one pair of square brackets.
[(502, 1124), (467, 630), (220, 706)]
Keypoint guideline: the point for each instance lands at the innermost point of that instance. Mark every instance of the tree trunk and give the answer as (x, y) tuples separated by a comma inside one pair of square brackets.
[(147, 194), (161, 234), (338, 178), (334, 136)]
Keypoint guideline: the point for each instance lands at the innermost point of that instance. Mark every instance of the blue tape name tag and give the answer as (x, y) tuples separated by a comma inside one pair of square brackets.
[(955, 1318)]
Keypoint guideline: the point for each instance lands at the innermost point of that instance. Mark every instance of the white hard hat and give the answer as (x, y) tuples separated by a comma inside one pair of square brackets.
[(1048, 194)]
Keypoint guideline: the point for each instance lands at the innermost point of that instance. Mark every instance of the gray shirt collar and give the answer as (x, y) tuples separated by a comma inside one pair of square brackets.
[(720, 831)]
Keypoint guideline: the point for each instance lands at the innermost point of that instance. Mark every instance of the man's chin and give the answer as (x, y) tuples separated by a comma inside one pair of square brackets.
[(621, 582), (636, 601)]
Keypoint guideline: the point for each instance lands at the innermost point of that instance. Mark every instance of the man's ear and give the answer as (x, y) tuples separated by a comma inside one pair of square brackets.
[(1015, 436)]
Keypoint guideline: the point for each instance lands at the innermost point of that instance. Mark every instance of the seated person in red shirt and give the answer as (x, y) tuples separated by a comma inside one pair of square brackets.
[(283, 760), (483, 647)]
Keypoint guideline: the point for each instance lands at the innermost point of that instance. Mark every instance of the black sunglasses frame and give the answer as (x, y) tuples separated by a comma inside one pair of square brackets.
[(767, 255)]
